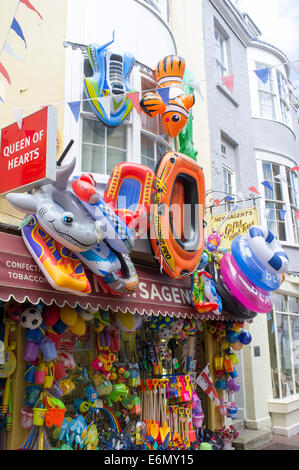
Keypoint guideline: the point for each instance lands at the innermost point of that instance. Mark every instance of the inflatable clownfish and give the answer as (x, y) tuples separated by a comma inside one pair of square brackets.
[(169, 73)]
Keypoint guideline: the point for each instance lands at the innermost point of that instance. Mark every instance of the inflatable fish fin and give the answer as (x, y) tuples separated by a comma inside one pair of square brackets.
[(152, 104), (62, 175), (189, 101), (23, 202)]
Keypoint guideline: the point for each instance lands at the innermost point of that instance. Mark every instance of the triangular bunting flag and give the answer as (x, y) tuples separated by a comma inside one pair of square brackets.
[(29, 5), (263, 74), (17, 29), (228, 82), (1, 99), (134, 97), (75, 108), (267, 185), (281, 177), (4, 72), (217, 202), (295, 168), (229, 198), (296, 215), (253, 189), (196, 86), (18, 114), (105, 103), (164, 93), (9, 50), (267, 211), (295, 66), (282, 214)]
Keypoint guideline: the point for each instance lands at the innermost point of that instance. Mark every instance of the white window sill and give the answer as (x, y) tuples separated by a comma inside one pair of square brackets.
[(289, 245), (284, 405), (227, 94)]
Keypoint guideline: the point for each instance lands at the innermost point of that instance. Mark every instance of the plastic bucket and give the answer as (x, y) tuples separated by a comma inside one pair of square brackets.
[(197, 421), (39, 416), (39, 376), (29, 373), (48, 382), (54, 417), (56, 390), (26, 418), (234, 373), (31, 351), (48, 350)]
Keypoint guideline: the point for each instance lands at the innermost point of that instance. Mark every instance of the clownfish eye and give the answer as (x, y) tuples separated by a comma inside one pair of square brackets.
[(175, 118), (68, 218)]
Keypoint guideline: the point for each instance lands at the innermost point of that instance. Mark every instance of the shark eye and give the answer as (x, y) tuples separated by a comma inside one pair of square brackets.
[(68, 218), (175, 118)]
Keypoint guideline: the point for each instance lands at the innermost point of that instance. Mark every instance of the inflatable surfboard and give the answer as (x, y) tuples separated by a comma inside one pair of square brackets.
[(62, 268)]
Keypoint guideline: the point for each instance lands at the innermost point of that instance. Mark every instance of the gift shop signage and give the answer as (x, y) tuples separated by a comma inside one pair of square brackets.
[(238, 223), (28, 152)]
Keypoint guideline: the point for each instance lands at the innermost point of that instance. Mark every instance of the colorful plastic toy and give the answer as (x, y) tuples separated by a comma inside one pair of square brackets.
[(111, 74), (169, 72)]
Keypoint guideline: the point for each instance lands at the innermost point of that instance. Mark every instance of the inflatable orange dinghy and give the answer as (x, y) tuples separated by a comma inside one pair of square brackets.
[(177, 218)]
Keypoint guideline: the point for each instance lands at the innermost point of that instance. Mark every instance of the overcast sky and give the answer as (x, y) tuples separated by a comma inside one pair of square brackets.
[(278, 21)]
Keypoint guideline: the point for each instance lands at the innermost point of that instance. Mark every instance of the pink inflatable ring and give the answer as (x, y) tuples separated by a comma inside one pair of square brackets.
[(243, 289)]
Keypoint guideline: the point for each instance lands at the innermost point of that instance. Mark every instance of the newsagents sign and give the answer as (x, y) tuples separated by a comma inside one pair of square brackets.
[(28, 154)]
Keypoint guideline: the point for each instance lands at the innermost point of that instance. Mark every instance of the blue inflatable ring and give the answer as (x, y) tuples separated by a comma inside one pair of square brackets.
[(256, 272)]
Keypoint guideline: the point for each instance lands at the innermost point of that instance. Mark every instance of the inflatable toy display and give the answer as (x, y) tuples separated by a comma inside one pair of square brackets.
[(129, 192), (169, 73), (199, 300), (246, 292), (61, 223), (111, 75), (253, 269), (177, 238), (124, 281)]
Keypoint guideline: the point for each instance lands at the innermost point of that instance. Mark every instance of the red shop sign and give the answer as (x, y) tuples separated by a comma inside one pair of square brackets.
[(28, 155)]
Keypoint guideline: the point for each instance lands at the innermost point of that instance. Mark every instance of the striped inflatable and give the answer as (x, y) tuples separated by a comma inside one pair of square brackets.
[(267, 249)]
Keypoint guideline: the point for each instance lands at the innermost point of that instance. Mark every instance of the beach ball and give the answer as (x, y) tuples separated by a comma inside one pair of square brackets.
[(79, 328), (245, 337), (68, 315), (232, 336), (128, 322)]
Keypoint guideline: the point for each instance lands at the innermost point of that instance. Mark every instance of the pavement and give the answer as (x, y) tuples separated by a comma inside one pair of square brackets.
[(280, 442)]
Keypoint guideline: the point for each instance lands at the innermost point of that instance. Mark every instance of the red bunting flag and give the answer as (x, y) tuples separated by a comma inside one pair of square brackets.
[(4, 72), (134, 97), (29, 5), (217, 202), (228, 82), (295, 168), (297, 215), (253, 189)]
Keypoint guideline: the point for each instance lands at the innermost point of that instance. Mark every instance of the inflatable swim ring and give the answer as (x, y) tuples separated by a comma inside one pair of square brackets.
[(246, 292), (267, 249), (253, 269), (229, 303), (129, 193), (177, 218)]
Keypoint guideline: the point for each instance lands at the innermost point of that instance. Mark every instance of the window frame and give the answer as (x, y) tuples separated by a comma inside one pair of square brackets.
[(224, 66), (288, 314)]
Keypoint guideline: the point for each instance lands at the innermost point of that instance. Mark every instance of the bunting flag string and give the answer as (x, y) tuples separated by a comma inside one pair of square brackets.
[(134, 97), (263, 74), (18, 30), (75, 107), (267, 185), (31, 7)]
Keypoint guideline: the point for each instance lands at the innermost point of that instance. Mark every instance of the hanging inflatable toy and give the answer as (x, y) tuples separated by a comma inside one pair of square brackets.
[(128, 322), (198, 299), (256, 271), (121, 282), (229, 302), (169, 73), (111, 75), (129, 193), (213, 241), (251, 296), (177, 216)]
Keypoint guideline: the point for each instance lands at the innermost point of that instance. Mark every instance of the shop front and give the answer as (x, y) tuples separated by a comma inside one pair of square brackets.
[(132, 323)]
